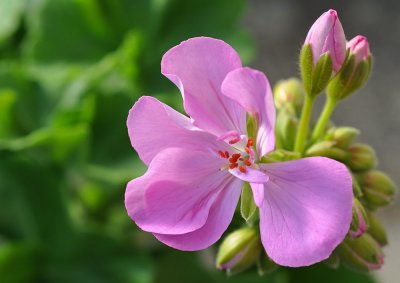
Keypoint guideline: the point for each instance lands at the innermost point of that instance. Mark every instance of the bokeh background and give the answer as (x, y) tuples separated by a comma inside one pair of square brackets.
[(69, 72)]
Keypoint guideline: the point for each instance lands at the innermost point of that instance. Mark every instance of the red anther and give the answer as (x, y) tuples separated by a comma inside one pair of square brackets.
[(241, 159), (242, 169), (232, 160), (233, 165), (235, 140), (250, 142), (226, 154), (236, 155), (247, 162), (247, 149), (221, 154)]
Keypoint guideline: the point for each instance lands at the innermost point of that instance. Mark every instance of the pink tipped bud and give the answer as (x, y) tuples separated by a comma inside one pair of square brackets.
[(359, 47), (327, 36)]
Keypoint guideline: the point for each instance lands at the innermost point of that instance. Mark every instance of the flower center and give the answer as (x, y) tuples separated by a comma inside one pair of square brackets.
[(244, 154)]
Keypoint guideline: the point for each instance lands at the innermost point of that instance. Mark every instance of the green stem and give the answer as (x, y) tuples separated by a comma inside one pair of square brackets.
[(304, 121), (323, 120)]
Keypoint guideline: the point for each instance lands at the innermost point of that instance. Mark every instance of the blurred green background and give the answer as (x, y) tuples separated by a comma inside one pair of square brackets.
[(69, 72)]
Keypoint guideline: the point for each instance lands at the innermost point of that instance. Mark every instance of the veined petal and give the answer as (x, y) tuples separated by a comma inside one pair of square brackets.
[(219, 218), (197, 67), (176, 193), (154, 126), (306, 211), (251, 89)]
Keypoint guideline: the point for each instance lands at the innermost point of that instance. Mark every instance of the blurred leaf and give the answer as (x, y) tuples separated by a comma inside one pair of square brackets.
[(10, 17), (18, 263)]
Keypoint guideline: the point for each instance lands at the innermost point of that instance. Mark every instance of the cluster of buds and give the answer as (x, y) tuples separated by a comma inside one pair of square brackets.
[(327, 63)]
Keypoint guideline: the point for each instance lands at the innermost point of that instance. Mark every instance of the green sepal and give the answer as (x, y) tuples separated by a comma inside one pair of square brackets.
[(321, 74), (362, 254), (306, 67), (350, 78), (280, 155), (248, 207), (377, 230)]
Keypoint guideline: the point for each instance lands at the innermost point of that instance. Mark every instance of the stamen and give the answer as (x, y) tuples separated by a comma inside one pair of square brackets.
[(250, 142), (247, 162), (221, 154), (226, 154), (247, 149), (235, 140), (233, 165), (242, 169)]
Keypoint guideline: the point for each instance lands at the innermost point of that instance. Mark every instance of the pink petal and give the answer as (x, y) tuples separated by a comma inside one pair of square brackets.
[(258, 193), (176, 193), (306, 211), (251, 89), (198, 66), (219, 218), (251, 175), (154, 126)]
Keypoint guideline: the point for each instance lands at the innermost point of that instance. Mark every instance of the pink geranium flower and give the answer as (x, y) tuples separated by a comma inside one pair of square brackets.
[(198, 165)]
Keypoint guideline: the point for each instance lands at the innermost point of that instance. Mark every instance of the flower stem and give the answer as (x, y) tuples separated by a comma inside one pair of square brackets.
[(323, 120), (304, 121)]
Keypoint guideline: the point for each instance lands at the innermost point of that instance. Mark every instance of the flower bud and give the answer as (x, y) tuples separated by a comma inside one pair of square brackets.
[(342, 136), (355, 71), (359, 47), (289, 93), (286, 128), (362, 157), (361, 254), (327, 149), (239, 250), (326, 36), (377, 230), (377, 187), (280, 155), (357, 192), (360, 221)]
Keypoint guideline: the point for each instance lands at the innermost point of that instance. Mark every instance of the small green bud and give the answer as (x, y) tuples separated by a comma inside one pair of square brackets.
[(280, 155), (342, 136), (362, 157), (360, 221), (239, 250), (286, 128), (377, 187), (289, 93), (327, 149), (377, 230), (362, 253)]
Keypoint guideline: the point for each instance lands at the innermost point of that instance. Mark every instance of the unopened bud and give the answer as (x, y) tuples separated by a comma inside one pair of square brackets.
[(377, 187), (362, 253), (286, 128), (280, 155), (342, 136), (362, 157), (323, 52), (377, 230), (327, 149), (239, 250), (289, 93), (360, 221), (355, 71)]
